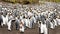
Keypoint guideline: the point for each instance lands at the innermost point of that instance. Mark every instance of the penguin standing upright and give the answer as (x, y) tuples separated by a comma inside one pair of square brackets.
[(21, 26), (43, 25)]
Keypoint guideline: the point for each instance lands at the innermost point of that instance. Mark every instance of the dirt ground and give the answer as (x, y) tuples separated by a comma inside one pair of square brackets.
[(28, 31)]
